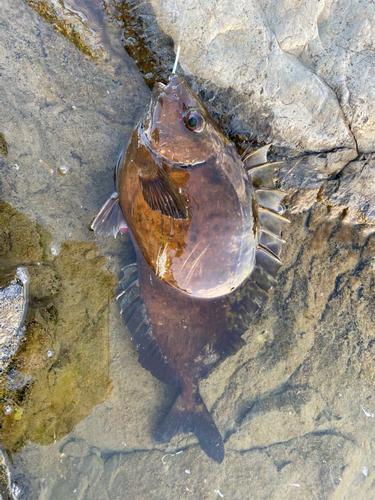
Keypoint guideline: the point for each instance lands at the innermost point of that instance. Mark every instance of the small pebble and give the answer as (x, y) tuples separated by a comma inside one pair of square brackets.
[(63, 170), (8, 409)]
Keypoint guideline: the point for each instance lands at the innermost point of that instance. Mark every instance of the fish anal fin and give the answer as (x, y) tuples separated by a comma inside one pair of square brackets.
[(184, 418), (110, 220), (160, 193), (137, 321)]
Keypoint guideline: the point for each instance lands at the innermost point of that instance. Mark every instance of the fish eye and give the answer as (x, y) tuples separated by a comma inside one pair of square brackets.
[(195, 121)]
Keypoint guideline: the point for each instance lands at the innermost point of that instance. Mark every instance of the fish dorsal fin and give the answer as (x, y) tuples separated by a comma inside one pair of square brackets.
[(137, 321), (271, 225), (267, 260), (254, 291), (271, 221), (257, 157), (270, 198), (109, 221), (262, 175), (271, 241), (160, 193)]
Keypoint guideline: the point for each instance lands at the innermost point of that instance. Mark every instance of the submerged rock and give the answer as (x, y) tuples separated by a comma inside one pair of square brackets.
[(295, 405), (52, 379)]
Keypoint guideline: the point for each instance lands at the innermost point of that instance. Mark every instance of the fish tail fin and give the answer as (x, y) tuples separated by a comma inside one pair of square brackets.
[(186, 417)]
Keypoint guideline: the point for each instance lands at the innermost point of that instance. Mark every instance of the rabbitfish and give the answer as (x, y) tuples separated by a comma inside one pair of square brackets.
[(206, 227)]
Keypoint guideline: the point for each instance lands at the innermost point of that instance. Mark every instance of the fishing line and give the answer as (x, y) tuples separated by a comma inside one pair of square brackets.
[(176, 60), (182, 15)]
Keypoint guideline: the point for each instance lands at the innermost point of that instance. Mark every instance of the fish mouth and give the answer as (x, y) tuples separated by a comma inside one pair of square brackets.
[(158, 155)]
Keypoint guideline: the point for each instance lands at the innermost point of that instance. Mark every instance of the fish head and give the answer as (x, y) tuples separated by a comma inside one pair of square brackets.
[(178, 127)]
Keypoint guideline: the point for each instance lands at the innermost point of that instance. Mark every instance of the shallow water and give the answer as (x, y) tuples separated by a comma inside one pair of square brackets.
[(295, 406)]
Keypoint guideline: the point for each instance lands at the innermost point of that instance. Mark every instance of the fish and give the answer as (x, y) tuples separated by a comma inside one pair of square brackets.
[(206, 224)]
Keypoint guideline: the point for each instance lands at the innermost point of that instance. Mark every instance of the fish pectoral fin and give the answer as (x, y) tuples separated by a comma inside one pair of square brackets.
[(110, 220), (160, 193)]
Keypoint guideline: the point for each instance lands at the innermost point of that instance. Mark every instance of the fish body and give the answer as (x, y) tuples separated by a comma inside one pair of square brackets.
[(201, 238), (207, 234)]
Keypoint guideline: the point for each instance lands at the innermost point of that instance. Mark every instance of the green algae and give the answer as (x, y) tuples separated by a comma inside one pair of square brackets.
[(64, 27), (65, 355), (151, 49), (3, 145)]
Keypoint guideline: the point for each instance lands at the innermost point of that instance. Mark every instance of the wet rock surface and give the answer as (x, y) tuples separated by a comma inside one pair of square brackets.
[(296, 405), (65, 117)]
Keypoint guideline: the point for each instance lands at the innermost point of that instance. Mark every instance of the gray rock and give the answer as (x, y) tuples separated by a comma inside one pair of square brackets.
[(8, 491), (17, 380), (234, 45), (353, 193), (13, 308), (340, 52)]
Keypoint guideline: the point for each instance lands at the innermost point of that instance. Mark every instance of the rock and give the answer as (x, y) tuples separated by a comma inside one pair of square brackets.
[(17, 380), (71, 23), (295, 405), (8, 491), (340, 52), (353, 193), (13, 308), (235, 46)]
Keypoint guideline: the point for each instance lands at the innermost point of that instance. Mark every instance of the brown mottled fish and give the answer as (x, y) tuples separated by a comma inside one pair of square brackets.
[(206, 227)]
